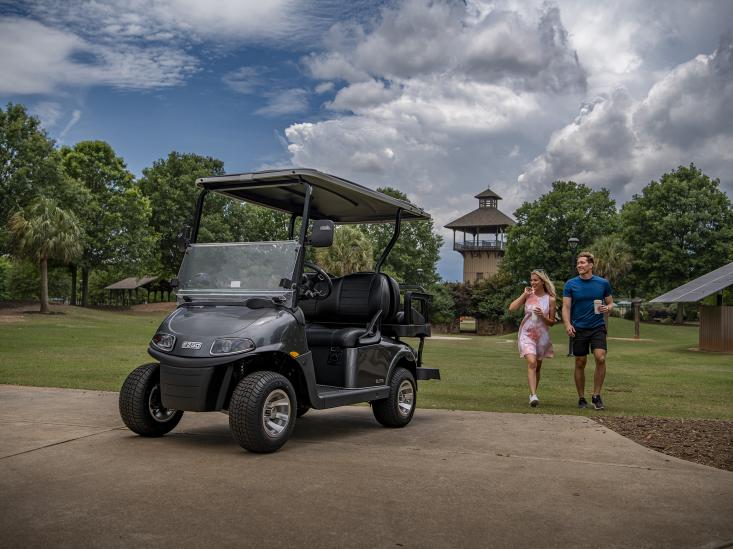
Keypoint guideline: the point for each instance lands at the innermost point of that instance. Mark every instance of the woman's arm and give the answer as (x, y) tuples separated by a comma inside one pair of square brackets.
[(517, 303), (550, 318)]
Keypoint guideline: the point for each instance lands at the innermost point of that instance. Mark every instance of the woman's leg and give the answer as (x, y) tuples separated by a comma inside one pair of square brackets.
[(532, 373), (539, 367)]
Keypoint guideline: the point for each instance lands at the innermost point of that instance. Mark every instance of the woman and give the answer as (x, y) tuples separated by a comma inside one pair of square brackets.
[(534, 331)]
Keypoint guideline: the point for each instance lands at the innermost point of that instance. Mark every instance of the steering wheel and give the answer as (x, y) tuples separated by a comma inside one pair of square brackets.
[(316, 287)]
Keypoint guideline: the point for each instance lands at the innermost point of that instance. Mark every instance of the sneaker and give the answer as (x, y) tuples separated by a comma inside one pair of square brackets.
[(534, 401), (597, 402), (582, 403)]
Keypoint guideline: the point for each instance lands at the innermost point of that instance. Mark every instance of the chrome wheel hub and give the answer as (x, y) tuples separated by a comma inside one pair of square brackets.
[(158, 412), (405, 398), (276, 413)]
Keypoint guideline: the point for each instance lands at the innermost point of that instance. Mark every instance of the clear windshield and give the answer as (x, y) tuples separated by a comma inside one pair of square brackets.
[(239, 270)]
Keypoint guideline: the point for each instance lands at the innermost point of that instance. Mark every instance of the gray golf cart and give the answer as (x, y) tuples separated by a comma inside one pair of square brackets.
[(265, 335)]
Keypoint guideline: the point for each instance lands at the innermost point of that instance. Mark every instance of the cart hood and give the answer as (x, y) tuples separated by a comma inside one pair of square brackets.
[(207, 321)]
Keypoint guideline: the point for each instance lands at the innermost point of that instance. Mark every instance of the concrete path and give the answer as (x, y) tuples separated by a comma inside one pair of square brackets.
[(72, 476)]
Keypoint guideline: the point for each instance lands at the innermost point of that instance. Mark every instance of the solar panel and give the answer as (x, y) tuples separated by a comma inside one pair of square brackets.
[(701, 287)]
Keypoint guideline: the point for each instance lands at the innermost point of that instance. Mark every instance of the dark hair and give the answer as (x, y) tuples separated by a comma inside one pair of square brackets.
[(588, 256)]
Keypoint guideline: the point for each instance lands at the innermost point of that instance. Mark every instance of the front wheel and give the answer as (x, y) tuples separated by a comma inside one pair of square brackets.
[(262, 412), (397, 409), (141, 408)]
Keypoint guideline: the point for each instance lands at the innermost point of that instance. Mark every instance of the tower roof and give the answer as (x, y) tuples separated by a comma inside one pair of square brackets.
[(481, 218), (488, 193)]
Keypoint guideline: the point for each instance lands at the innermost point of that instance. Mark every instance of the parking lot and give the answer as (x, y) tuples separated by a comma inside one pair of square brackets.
[(72, 475)]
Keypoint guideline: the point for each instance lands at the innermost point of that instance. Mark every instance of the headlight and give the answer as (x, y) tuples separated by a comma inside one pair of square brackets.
[(231, 346), (164, 342)]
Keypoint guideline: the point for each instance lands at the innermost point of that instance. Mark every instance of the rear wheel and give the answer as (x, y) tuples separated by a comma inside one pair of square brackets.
[(262, 412), (141, 407), (397, 409)]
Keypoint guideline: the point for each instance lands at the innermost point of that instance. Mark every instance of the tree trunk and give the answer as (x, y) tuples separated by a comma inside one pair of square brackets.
[(44, 285), (680, 314), (72, 269), (85, 286)]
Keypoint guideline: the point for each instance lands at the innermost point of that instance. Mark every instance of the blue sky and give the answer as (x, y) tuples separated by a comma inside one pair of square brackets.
[(438, 98)]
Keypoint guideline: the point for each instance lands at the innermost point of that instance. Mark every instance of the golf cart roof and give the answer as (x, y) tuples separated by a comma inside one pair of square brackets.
[(332, 198)]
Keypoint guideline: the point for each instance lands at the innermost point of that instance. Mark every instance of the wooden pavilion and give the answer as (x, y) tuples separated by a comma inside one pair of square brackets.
[(716, 321), (121, 292), (483, 249)]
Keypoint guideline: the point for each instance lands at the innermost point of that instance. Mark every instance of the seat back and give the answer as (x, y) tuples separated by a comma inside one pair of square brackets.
[(354, 300)]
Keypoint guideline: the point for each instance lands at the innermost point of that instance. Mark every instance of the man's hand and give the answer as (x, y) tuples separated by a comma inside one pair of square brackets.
[(570, 330), (604, 308)]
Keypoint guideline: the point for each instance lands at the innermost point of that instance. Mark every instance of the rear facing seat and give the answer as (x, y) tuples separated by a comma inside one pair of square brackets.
[(341, 319)]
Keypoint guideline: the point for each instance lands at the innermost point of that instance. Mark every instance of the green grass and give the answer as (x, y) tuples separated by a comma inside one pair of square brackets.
[(93, 349)]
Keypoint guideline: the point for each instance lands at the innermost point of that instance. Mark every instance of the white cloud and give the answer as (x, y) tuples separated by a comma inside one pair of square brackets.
[(48, 112), (244, 79), (285, 102), (75, 117), (622, 144), (38, 59)]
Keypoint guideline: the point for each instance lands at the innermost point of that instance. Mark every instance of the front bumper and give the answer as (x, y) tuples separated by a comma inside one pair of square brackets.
[(193, 384)]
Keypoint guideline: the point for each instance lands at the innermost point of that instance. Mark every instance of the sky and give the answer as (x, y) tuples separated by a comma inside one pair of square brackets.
[(440, 99)]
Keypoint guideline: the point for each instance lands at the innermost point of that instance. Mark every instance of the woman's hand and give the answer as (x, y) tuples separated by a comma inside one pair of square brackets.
[(528, 291), (538, 312)]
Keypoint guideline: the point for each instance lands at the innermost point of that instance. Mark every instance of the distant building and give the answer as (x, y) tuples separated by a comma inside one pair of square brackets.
[(484, 237)]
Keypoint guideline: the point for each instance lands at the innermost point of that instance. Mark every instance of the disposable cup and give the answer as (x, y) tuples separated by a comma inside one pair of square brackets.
[(597, 306)]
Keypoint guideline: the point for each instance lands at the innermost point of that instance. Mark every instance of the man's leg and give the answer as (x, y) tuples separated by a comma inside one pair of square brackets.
[(600, 374), (580, 374)]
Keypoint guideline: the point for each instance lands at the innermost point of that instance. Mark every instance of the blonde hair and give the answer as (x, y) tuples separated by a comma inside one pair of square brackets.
[(588, 256), (546, 282)]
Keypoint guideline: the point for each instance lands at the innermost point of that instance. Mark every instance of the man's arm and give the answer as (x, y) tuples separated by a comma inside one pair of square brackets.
[(566, 302)]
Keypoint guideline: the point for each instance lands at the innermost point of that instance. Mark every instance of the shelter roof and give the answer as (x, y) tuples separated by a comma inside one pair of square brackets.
[(481, 218), (332, 198), (701, 287), (131, 283), (488, 193)]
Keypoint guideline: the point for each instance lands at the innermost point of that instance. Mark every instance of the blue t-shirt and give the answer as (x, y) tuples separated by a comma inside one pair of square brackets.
[(582, 293)]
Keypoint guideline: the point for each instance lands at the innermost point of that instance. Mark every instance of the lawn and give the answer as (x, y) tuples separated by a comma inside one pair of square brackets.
[(657, 376)]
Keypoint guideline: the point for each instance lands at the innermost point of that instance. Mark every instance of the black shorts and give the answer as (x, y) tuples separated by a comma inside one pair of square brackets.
[(595, 338)]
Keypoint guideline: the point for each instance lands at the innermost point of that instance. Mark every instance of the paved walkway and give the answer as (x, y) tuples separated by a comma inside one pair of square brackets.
[(72, 476)]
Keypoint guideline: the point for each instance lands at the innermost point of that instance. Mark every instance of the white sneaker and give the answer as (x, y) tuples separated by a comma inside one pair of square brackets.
[(534, 401)]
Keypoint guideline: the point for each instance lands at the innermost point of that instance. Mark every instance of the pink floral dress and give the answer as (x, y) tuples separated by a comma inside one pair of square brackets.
[(534, 334)]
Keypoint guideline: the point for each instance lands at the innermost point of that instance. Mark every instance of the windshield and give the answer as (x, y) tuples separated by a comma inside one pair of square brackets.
[(239, 270)]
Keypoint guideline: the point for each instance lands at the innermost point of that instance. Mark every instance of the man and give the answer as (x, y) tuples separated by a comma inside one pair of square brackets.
[(585, 321)]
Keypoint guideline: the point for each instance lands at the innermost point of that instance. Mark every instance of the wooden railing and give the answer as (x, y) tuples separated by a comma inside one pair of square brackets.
[(481, 245)]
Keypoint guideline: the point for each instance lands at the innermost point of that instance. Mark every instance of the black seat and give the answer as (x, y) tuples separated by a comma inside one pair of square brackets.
[(341, 320)]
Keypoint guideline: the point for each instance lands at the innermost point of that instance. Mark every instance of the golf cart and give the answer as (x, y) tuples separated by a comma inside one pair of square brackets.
[(264, 335)]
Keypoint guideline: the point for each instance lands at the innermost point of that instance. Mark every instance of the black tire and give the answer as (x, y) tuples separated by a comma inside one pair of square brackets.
[(393, 411), (254, 400), (140, 406)]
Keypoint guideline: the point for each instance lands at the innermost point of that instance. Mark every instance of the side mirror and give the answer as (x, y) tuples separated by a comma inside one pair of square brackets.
[(184, 238), (322, 233)]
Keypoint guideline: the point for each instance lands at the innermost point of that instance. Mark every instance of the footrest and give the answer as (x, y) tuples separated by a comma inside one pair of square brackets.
[(427, 373)]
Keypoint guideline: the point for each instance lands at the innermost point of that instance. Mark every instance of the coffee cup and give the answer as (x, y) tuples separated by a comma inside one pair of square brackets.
[(597, 306)]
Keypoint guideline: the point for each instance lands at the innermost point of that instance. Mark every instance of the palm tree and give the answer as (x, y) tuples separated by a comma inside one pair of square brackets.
[(613, 258), (44, 231), (351, 252)]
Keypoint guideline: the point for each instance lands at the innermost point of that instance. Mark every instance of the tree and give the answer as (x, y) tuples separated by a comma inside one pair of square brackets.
[(491, 298), (28, 164), (415, 255), (170, 185), (679, 228), (42, 232), (539, 239), (351, 252), (113, 212), (612, 260)]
